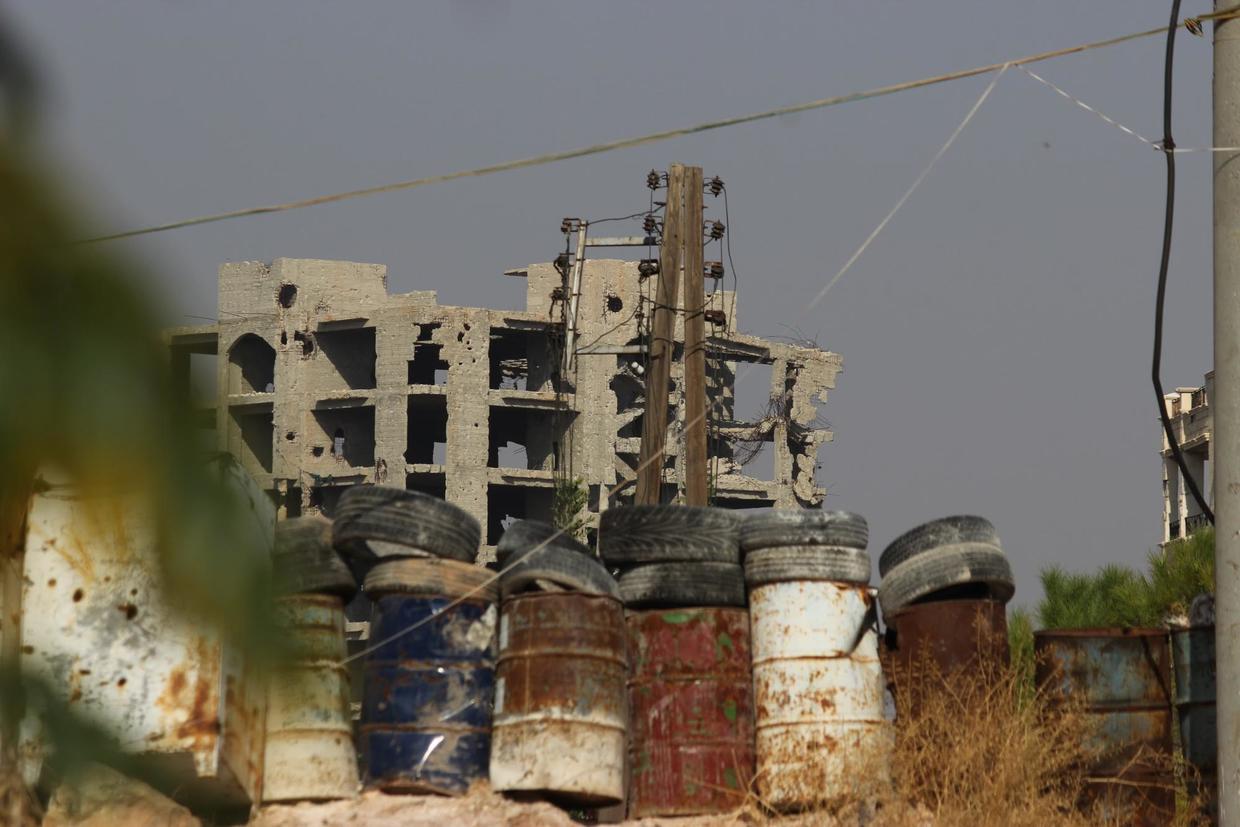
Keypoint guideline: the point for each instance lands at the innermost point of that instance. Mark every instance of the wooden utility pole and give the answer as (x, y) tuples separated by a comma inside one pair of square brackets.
[(696, 489), (662, 345)]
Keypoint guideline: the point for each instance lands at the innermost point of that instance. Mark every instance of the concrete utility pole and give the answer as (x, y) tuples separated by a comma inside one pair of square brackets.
[(696, 488), (1226, 408), (662, 345)]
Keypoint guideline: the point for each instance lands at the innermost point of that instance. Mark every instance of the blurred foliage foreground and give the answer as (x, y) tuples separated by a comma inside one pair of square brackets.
[(85, 390)]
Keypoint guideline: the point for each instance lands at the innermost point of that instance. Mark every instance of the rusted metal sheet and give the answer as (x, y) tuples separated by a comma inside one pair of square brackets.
[(691, 706), (560, 704), (310, 753), (1192, 656), (940, 639), (98, 628), (426, 705), (818, 692), (1123, 677)]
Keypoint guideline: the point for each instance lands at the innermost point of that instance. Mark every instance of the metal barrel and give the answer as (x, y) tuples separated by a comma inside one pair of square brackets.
[(560, 706), (818, 692), (928, 642), (1123, 677), (1192, 657), (691, 706), (310, 752), (426, 705)]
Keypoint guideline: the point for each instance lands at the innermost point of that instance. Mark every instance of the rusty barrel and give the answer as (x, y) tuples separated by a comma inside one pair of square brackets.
[(560, 707), (310, 753), (426, 705), (928, 642), (818, 692), (1192, 656), (691, 705), (1122, 677)]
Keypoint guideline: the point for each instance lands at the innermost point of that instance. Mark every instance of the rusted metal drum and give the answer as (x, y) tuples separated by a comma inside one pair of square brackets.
[(560, 707), (1192, 656), (1123, 677), (426, 705), (691, 702), (936, 640), (310, 753), (818, 692)]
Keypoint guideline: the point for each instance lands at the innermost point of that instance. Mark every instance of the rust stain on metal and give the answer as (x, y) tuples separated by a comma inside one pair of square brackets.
[(560, 704), (691, 699)]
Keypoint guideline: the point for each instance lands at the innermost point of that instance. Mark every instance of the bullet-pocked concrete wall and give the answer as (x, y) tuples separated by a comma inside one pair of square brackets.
[(325, 380)]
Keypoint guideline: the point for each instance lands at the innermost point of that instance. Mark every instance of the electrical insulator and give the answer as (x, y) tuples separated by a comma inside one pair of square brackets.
[(567, 225), (647, 267), (714, 269), (649, 224), (652, 179), (716, 230), (716, 186), (557, 294), (715, 317)]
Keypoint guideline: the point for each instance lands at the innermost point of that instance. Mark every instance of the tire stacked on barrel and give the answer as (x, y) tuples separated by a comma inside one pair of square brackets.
[(560, 717), (429, 677), (818, 687), (944, 590), (690, 679), (309, 746)]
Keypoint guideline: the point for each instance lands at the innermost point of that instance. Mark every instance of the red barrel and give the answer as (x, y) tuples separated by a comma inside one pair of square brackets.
[(691, 711)]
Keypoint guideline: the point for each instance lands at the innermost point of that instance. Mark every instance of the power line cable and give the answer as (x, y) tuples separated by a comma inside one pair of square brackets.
[(1168, 146), (640, 140)]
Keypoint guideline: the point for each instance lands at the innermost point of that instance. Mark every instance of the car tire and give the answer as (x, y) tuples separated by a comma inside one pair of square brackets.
[(662, 585), (804, 527), (564, 569), (524, 535), (977, 564), (630, 535), (783, 564), (378, 521), (432, 577), (962, 528), (304, 561)]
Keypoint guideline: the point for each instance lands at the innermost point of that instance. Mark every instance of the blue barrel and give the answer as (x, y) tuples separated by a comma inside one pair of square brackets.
[(1192, 655), (426, 707)]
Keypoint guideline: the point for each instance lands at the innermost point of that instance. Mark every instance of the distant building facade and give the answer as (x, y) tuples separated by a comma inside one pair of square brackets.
[(1193, 424)]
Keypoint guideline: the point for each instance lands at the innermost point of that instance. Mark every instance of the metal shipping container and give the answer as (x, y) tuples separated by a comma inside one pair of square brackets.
[(691, 707), (310, 753), (560, 706), (426, 708), (818, 692), (1123, 676), (98, 627), (1192, 656)]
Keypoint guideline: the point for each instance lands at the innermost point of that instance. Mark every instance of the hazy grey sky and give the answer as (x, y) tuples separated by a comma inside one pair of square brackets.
[(995, 338)]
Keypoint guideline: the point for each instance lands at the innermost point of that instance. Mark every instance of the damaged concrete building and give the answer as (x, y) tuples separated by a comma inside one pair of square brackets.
[(324, 380)]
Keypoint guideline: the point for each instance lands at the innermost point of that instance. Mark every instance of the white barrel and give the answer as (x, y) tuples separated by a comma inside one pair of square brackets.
[(818, 692), (310, 753)]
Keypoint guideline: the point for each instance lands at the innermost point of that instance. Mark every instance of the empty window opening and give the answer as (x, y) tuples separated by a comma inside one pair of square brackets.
[(751, 394), (426, 439), (350, 359), (323, 498), (432, 485), (757, 459), (525, 438), (347, 435), (427, 367), (287, 295), (508, 503), (307, 342), (520, 360), (194, 371), (738, 504), (255, 431), (251, 366)]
